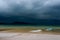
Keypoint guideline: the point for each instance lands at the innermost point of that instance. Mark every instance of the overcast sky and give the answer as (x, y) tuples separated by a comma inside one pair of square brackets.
[(23, 10)]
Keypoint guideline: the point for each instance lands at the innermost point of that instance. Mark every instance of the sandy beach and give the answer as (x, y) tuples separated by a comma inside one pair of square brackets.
[(27, 36)]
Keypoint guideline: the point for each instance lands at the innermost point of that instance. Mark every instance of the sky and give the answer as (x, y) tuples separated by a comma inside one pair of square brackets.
[(28, 10)]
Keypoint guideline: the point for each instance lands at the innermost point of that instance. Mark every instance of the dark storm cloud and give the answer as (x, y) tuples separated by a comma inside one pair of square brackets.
[(22, 10)]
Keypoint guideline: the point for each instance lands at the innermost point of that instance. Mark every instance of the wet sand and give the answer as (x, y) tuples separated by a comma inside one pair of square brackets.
[(27, 36)]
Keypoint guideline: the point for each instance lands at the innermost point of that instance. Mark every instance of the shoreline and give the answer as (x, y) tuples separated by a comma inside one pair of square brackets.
[(30, 30)]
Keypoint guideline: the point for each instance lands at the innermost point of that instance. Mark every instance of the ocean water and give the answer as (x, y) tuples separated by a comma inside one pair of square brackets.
[(29, 25)]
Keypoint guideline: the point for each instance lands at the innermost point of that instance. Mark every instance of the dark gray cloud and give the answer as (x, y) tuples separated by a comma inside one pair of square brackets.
[(22, 10)]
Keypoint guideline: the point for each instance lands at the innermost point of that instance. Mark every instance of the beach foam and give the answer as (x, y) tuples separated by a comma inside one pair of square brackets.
[(36, 31)]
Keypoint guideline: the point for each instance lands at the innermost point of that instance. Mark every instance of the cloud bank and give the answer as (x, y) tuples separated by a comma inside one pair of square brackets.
[(28, 10)]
